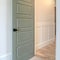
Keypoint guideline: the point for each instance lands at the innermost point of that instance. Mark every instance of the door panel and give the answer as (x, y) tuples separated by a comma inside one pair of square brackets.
[(24, 49), (23, 21), (28, 1), (23, 38), (23, 16), (24, 7)]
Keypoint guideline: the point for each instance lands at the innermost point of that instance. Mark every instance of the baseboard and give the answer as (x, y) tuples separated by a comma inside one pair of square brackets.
[(45, 43), (7, 56)]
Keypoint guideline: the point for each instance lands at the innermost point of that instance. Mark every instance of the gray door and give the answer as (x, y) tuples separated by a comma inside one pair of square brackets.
[(23, 29)]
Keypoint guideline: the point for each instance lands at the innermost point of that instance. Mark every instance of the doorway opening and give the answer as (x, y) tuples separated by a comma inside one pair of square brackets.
[(45, 29)]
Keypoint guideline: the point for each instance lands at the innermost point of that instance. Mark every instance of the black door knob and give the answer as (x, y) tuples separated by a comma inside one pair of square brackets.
[(15, 30)]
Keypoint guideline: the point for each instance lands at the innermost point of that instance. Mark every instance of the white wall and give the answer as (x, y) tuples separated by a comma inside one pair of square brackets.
[(44, 20), (58, 30), (5, 30)]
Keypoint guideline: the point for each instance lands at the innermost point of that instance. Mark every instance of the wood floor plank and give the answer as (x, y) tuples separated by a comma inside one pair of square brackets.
[(48, 52)]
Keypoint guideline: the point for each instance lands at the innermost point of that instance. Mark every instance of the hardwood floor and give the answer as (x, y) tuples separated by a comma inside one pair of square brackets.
[(48, 52)]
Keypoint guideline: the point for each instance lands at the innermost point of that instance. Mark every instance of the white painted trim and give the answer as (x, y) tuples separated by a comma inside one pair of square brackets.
[(45, 43), (5, 55)]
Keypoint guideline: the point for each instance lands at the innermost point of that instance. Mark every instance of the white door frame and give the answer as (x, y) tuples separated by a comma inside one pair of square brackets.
[(57, 29)]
